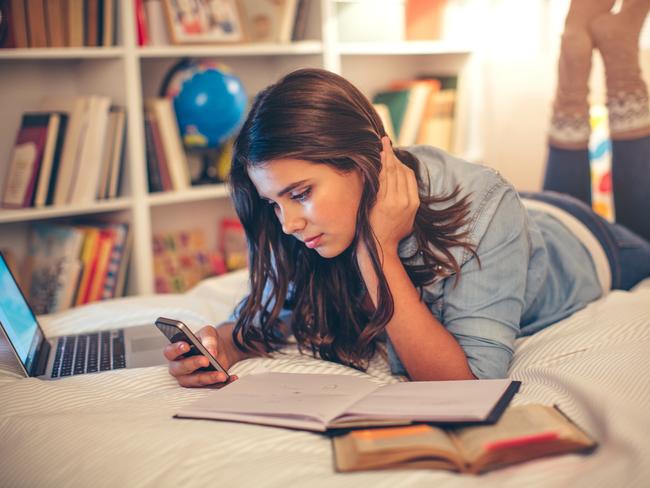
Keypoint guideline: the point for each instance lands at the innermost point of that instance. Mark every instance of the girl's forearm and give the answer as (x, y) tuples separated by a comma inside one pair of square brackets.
[(228, 354), (425, 348)]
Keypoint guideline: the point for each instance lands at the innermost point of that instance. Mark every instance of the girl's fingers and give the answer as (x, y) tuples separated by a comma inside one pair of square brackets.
[(172, 351), (187, 366), (382, 177), (412, 188), (392, 169), (206, 379), (202, 379)]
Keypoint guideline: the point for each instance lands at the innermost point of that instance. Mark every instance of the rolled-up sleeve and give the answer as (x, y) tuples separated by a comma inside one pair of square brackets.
[(483, 311)]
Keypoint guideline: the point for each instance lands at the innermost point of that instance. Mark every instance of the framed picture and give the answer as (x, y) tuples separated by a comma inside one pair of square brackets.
[(270, 20), (204, 21)]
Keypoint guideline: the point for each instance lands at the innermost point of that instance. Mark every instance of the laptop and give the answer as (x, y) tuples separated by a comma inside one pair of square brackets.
[(30, 352)]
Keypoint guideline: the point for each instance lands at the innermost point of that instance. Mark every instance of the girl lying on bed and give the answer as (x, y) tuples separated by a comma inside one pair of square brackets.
[(354, 243)]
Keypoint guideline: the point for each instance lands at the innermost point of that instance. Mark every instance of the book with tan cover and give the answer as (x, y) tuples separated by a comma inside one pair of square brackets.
[(18, 22), (36, 23), (76, 24), (522, 433), (56, 14)]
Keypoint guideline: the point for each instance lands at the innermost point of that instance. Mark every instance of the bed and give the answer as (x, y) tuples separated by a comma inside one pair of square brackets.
[(116, 428)]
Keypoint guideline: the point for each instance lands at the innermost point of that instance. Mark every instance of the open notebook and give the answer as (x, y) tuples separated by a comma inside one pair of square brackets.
[(322, 402)]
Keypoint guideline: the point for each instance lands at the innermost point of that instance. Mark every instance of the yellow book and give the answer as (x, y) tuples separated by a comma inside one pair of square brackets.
[(104, 249), (88, 255), (522, 433)]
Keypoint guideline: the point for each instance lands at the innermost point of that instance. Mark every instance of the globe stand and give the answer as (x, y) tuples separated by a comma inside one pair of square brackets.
[(208, 173)]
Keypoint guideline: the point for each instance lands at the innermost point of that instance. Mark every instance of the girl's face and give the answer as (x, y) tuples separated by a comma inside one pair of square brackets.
[(313, 202)]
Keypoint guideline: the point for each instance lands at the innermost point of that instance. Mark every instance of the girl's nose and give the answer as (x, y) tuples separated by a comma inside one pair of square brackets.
[(292, 222)]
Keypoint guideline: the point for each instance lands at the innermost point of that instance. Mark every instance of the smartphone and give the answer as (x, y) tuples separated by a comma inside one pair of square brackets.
[(177, 331)]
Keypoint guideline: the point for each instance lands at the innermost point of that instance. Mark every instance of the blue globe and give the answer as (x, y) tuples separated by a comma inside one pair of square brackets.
[(210, 103)]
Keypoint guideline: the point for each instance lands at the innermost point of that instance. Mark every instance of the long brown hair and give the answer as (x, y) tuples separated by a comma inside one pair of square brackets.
[(320, 117)]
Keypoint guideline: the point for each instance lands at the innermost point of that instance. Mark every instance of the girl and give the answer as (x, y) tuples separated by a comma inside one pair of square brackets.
[(354, 244)]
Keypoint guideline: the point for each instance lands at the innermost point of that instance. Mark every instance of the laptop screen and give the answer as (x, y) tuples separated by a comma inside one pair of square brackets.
[(17, 319)]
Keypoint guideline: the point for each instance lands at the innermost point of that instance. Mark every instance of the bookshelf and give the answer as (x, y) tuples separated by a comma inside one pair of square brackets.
[(128, 74)]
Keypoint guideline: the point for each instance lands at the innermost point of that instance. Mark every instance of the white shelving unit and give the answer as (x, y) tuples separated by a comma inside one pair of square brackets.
[(128, 74)]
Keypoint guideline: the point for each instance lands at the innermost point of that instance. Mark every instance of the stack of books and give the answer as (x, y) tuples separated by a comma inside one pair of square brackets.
[(60, 23), (167, 166), (69, 265), (69, 153), (420, 111)]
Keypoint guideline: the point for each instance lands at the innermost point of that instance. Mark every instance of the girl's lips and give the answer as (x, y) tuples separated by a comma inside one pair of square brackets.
[(312, 243)]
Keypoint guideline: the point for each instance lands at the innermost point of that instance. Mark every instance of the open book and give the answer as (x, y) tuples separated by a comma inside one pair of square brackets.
[(321, 402), (522, 433)]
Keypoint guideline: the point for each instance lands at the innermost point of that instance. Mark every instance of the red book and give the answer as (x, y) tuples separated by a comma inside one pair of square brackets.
[(140, 20), (25, 161), (106, 241)]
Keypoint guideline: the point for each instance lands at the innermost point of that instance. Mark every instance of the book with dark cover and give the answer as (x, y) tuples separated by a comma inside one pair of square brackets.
[(51, 156), (6, 31), (153, 166), (25, 162)]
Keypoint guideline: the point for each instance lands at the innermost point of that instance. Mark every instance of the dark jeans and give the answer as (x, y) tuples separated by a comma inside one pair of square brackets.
[(567, 171), (628, 254), (626, 243)]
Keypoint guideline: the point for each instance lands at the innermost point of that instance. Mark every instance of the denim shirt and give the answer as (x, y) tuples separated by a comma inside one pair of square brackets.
[(533, 271)]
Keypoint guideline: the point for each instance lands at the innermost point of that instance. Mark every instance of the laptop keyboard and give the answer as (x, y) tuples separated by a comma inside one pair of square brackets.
[(89, 353)]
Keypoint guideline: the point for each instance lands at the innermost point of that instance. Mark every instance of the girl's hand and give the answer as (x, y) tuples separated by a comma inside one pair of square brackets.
[(183, 369), (397, 202)]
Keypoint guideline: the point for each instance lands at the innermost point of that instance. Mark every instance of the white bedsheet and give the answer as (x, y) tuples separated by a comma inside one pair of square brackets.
[(116, 428)]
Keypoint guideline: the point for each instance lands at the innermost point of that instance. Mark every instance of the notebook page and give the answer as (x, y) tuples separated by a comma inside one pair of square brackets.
[(440, 401), (318, 396)]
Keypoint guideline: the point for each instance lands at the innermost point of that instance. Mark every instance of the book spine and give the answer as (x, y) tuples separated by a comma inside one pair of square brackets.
[(25, 162), (36, 23), (155, 184), (106, 239), (163, 167), (115, 261), (89, 259), (19, 23), (56, 160), (300, 25), (118, 154), (55, 23), (76, 25), (48, 159), (91, 18), (108, 21), (142, 32)]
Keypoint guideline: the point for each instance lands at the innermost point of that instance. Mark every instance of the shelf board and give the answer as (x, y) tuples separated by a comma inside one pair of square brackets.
[(62, 53), (197, 193), (29, 214), (252, 49), (403, 48)]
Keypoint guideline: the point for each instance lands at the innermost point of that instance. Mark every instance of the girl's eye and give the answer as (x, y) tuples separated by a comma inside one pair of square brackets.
[(301, 197)]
